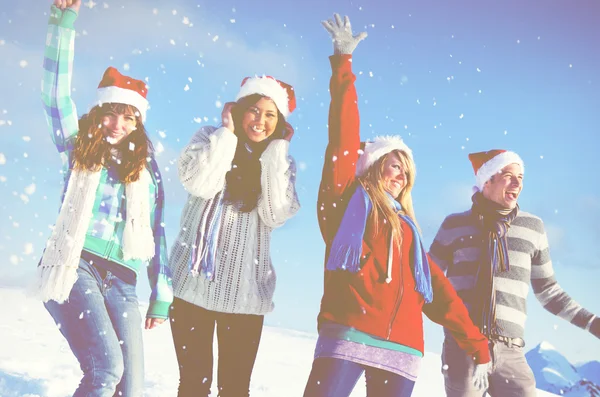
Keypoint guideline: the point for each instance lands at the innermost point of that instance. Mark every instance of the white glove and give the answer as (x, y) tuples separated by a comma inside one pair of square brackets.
[(341, 33), (480, 376)]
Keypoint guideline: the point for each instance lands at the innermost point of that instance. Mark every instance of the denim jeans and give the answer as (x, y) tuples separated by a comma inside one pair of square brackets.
[(510, 375), (238, 335), (332, 377), (102, 323)]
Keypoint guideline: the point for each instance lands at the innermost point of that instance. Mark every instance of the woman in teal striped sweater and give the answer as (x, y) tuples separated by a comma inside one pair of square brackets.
[(110, 222)]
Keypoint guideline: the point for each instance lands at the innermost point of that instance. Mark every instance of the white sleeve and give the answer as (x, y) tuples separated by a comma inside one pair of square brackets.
[(279, 200), (204, 163)]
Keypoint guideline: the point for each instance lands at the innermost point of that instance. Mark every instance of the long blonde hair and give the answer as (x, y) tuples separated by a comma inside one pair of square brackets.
[(372, 182)]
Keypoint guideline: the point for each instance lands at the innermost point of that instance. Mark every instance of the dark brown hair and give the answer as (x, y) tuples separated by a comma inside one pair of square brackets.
[(243, 181)]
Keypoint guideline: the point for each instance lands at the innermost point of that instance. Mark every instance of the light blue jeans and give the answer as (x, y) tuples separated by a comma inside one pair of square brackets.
[(101, 321)]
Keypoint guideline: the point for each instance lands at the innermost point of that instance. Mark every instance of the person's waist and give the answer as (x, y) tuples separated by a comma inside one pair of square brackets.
[(106, 265), (507, 340)]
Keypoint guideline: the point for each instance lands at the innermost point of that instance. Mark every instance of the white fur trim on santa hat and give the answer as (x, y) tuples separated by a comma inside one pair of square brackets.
[(268, 87), (494, 166), (378, 147), (114, 94)]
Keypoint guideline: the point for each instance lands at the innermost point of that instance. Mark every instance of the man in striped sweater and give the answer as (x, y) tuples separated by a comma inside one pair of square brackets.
[(491, 253)]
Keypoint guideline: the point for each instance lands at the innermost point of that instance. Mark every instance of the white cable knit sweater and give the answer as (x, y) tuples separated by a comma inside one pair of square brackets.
[(245, 279)]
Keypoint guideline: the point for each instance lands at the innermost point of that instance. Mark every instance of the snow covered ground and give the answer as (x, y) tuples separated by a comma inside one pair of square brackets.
[(35, 360)]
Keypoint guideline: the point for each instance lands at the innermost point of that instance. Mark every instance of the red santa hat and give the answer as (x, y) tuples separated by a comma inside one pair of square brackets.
[(487, 164), (281, 94), (378, 147), (117, 88)]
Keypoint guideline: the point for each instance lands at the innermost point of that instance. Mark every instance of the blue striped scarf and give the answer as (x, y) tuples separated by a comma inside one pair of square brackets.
[(346, 248)]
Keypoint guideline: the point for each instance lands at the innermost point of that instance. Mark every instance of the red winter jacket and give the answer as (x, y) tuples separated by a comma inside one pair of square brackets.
[(364, 300)]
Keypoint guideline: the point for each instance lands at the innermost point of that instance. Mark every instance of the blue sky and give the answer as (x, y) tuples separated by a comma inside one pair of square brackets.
[(450, 77)]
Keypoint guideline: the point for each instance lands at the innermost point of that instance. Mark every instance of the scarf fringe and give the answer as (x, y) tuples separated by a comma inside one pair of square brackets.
[(53, 283), (63, 249), (345, 258), (138, 236), (204, 257), (57, 271)]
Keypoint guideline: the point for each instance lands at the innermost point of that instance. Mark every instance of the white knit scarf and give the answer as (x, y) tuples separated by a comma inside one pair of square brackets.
[(57, 271)]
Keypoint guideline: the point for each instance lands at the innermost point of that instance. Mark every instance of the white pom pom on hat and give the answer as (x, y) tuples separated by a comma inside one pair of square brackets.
[(487, 164), (282, 94)]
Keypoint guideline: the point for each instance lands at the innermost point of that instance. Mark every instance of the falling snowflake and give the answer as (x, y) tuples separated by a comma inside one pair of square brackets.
[(30, 189), (215, 38), (14, 259), (159, 147), (126, 66), (218, 104), (28, 249), (23, 63), (186, 88), (2, 159), (90, 4)]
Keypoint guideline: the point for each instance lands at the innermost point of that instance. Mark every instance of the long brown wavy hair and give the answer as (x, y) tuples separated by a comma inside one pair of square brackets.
[(372, 182), (92, 151), (243, 181)]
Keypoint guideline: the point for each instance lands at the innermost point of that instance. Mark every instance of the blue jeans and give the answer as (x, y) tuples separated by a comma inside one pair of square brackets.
[(101, 321), (332, 377)]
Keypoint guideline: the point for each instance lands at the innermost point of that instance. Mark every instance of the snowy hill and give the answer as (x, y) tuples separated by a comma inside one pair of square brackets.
[(554, 373), (35, 360)]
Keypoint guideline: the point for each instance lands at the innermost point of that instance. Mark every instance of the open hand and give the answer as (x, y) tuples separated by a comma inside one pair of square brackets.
[(153, 322), (480, 376), (344, 42), (64, 4), (226, 117)]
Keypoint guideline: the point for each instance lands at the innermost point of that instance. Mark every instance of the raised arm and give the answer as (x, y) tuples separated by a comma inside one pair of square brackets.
[(342, 151), (551, 295), (60, 110)]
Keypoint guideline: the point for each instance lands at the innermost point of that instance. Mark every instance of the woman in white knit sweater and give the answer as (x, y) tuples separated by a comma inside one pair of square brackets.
[(241, 184)]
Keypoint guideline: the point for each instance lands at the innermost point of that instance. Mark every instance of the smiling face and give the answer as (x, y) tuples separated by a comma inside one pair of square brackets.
[(393, 175), (505, 187), (259, 121), (117, 126)]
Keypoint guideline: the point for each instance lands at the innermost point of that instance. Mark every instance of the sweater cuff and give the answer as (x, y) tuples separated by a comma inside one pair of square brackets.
[(594, 327), (68, 18), (277, 154), (341, 62), (158, 309), (482, 356), (55, 15)]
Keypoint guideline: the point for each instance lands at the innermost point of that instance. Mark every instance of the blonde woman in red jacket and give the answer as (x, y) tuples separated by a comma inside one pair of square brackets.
[(378, 277)]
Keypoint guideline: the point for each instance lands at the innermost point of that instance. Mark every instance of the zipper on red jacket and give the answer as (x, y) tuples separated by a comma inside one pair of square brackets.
[(400, 291)]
